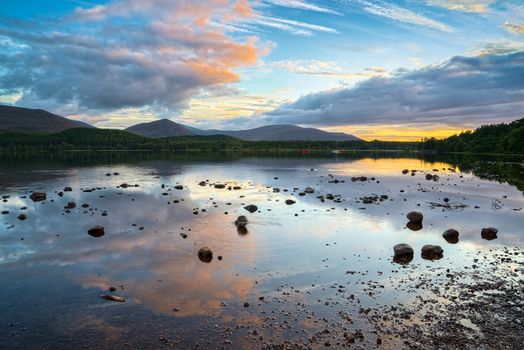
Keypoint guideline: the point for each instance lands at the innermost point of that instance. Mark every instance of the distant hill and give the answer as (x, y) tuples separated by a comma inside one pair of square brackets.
[(168, 128), (160, 128), (35, 120)]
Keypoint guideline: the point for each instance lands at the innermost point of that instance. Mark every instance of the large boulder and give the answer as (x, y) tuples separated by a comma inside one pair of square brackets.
[(415, 216), (432, 252)]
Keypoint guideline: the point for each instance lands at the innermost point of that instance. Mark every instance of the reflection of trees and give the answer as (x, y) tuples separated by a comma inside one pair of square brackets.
[(493, 168)]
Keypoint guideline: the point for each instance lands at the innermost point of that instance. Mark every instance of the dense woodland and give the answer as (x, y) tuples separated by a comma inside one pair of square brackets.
[(497, 138)]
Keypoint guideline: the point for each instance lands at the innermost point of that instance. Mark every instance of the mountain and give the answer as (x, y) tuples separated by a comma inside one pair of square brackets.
[(160, 128), (168, 128), (35, 120), (287, 133)]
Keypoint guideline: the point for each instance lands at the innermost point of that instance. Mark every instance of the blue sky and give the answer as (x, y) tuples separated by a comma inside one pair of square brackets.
[(240, 64)]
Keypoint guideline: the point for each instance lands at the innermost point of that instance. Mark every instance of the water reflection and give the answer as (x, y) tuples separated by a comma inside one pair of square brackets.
[(153, 232)]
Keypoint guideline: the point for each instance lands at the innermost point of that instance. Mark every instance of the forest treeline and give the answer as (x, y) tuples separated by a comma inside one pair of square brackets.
[(496, 138)]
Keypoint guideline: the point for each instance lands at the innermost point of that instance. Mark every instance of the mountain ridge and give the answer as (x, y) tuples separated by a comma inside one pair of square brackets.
[(274, 132), (35, 120)]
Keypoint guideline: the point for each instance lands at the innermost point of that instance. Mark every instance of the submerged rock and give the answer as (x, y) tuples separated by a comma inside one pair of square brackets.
[(489, 233), (290, 201), (241, 221), (96, 231), (70, 205), (309, 190), (251, 208), (205, 254), (415, 216), (38, 196), (22, 217), (432, 252), (67, 189), (113, 298)]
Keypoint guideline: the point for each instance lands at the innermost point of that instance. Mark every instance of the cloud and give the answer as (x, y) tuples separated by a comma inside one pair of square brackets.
[(514, 28), (463, 90), (292, 26), (129, 53), (478, 6), (301, 5), (400, 14), (325, 68)]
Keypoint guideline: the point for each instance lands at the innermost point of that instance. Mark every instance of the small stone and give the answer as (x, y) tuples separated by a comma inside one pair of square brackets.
[(38, 196), (22, 217), (67, 189), (251, 208), (205, 254), (489, 233), (432, 252), (96, 231), (112, 298), (415, 216), (241, 221), (290, 202)]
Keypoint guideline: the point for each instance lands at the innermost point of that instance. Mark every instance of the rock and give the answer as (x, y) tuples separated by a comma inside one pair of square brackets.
[(220, 186), (405, 171), (489, 233), (202, 183), (403, 253), (179, 187), (124, 185), (450, 234), (5, 212), (96, 231), (242, 230), (205, 254), (414, 226), (112, 298), (429, 177), (290, 201), (22, 217), (309, 190), (38, 196), (415, 216), (241, 221), (112, 289), (432, 252), (67, 189), (251, 208), (402, 249), (70, 205)]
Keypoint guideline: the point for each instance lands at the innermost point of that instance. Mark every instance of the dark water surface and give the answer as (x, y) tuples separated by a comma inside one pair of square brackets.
[(299, 270)]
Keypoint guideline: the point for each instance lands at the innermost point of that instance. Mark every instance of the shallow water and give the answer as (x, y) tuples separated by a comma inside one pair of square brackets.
[(313, 262)]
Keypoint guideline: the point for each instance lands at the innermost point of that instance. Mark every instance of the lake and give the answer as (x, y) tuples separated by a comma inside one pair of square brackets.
[(309, 270)]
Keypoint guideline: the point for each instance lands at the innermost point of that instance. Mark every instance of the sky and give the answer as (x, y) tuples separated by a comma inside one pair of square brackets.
[(378, 69)]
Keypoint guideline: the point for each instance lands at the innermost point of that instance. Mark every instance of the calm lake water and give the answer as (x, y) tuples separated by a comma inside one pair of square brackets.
[(298, 269)]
